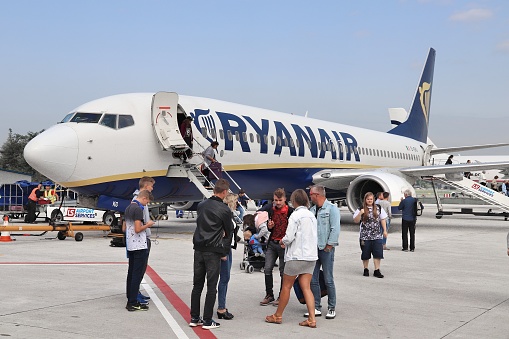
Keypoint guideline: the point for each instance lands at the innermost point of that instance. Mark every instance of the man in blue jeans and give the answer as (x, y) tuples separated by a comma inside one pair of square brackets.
[(328, 226)]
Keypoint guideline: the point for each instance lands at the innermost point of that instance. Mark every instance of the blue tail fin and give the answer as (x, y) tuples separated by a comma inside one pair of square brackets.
[(416, 126)]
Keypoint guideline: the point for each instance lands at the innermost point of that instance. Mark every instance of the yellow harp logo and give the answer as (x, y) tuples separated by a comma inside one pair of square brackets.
[(425, 96)]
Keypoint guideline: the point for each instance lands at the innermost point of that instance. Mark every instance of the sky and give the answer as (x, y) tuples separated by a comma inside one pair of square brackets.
[(341, 61)]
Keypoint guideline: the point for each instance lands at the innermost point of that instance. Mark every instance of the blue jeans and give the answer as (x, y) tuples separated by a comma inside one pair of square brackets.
[(326, 262), (241, 211), (224, 278), (387, 226)]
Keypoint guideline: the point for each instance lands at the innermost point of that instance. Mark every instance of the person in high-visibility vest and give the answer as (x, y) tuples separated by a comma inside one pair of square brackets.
[(50, 194), (32, 203)]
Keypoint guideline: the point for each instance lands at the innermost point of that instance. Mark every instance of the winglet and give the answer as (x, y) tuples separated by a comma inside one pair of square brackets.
[(416, 126)]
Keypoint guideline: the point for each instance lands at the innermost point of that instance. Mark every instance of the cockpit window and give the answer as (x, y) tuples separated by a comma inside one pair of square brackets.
[(125, 121), (91, 118), (109, 120), (67, 117)]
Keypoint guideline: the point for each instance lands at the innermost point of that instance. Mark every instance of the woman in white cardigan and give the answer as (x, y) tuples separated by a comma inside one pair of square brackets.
[(300, 244)]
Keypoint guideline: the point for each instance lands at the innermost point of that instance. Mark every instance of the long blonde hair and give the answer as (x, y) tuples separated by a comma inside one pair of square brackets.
[(231, 200), (366, 207)]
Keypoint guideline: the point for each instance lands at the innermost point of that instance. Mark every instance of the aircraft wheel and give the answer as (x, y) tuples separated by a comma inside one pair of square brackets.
[(109, 218), (57, 216), (78, 236), (61, 235), (438, 215)]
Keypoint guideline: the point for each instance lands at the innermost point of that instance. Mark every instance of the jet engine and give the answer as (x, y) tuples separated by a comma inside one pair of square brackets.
[(376, 182)]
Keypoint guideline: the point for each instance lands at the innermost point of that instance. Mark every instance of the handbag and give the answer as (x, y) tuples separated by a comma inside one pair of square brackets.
[(298, 290)]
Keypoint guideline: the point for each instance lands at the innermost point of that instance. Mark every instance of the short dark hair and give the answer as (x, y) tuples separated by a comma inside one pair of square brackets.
[(386, 195), (214, 143), (146, 194), (299, 198), (221, 185)]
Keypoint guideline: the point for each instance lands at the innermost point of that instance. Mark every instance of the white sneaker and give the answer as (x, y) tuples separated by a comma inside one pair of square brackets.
[(331, 314), (318, 313)]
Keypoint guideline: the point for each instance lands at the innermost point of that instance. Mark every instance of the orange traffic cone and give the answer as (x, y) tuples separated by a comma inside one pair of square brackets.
[(5, 236)]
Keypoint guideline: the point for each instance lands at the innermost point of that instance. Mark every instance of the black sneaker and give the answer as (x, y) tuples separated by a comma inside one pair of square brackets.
[(378, 274), (136, 307), (210, 325), (366, 272), (196, 322)]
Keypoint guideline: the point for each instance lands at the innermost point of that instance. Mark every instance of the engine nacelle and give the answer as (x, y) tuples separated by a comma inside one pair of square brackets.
[(378, 182)]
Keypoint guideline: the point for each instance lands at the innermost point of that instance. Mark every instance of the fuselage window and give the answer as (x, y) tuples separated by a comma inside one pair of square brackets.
[(221, 134), (297, 143), (279, 141), (266, 139), (309, 144), (213, 134), (230, 136), (258, 139), (204, 132), (244, 136), (251, 137), (272, 139), (377, 153), (369, 149), (285, 142), (109, 120), (292, 143), (67, 117), (91, 118), (237, 136), (125, 120)]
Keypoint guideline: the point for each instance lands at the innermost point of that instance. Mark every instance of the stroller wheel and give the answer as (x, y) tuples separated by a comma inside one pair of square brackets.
[(249, 269)]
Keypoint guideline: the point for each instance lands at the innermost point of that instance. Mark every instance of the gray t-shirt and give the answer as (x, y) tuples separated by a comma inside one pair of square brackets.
[(209, 152), (146, 214), (134, 241)]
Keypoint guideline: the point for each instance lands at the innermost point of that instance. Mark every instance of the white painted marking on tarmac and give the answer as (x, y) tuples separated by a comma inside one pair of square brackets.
[(164, 311)]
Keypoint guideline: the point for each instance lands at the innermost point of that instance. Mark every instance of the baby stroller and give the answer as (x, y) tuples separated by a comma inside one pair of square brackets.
[(252, 259)]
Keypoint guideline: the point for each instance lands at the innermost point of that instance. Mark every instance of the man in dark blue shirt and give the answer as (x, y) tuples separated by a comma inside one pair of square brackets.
[(407, 206)]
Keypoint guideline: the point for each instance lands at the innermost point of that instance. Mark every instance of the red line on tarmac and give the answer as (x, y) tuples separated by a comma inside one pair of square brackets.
[(179, 305), (64, 263)]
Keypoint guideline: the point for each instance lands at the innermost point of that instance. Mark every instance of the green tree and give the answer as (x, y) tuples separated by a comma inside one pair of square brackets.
[(11, 154)]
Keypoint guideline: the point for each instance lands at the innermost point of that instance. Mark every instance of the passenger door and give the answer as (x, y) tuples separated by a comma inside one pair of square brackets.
[(164, 120)]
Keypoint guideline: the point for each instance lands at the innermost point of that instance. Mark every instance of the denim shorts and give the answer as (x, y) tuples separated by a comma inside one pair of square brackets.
[(374, 247)]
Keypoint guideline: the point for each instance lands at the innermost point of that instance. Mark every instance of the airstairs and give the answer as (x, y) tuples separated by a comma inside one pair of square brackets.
[(470, 187)]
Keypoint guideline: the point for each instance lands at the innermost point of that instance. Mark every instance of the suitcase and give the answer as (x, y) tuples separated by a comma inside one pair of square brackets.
[(300, 295), (215, 168)]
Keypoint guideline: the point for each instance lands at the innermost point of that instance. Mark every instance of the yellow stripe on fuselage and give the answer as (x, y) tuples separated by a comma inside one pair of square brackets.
[(240, 167)]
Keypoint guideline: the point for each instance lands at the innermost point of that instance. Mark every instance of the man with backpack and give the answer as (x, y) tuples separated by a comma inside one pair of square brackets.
[(408, 207)]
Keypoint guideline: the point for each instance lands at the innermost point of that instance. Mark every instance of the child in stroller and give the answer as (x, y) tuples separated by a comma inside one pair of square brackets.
[(255, 235)]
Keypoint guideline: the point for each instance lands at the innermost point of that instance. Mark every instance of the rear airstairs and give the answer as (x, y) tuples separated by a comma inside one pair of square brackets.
[(470, 187)]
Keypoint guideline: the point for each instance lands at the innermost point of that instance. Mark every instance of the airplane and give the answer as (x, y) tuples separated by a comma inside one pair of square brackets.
[(102, 148), (398, 115)]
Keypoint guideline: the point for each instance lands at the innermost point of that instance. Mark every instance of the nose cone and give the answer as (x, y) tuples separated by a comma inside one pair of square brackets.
[(54, 152)]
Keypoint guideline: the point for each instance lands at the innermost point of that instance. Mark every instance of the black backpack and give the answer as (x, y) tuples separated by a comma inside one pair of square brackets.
[(418, 208)]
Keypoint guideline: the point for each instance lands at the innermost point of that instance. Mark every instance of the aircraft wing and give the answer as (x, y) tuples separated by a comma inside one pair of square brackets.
[(464, 148), (446, 169)]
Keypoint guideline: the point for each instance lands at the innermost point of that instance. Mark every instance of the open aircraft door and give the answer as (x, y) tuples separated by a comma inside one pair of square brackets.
[(164, 120)]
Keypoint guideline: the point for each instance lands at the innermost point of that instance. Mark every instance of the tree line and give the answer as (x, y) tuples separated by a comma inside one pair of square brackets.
[(11, 154)]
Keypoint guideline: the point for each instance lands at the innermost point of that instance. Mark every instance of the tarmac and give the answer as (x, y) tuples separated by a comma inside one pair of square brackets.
[(455, 285)]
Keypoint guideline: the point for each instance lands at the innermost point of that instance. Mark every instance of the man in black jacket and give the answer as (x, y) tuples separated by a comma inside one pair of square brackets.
[(212, 239)]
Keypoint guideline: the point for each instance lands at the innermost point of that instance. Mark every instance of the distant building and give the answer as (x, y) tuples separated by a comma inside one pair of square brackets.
[(10, 177)]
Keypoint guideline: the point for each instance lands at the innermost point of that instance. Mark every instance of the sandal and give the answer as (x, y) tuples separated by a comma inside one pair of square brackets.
[(274, 319), (308, 323)]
